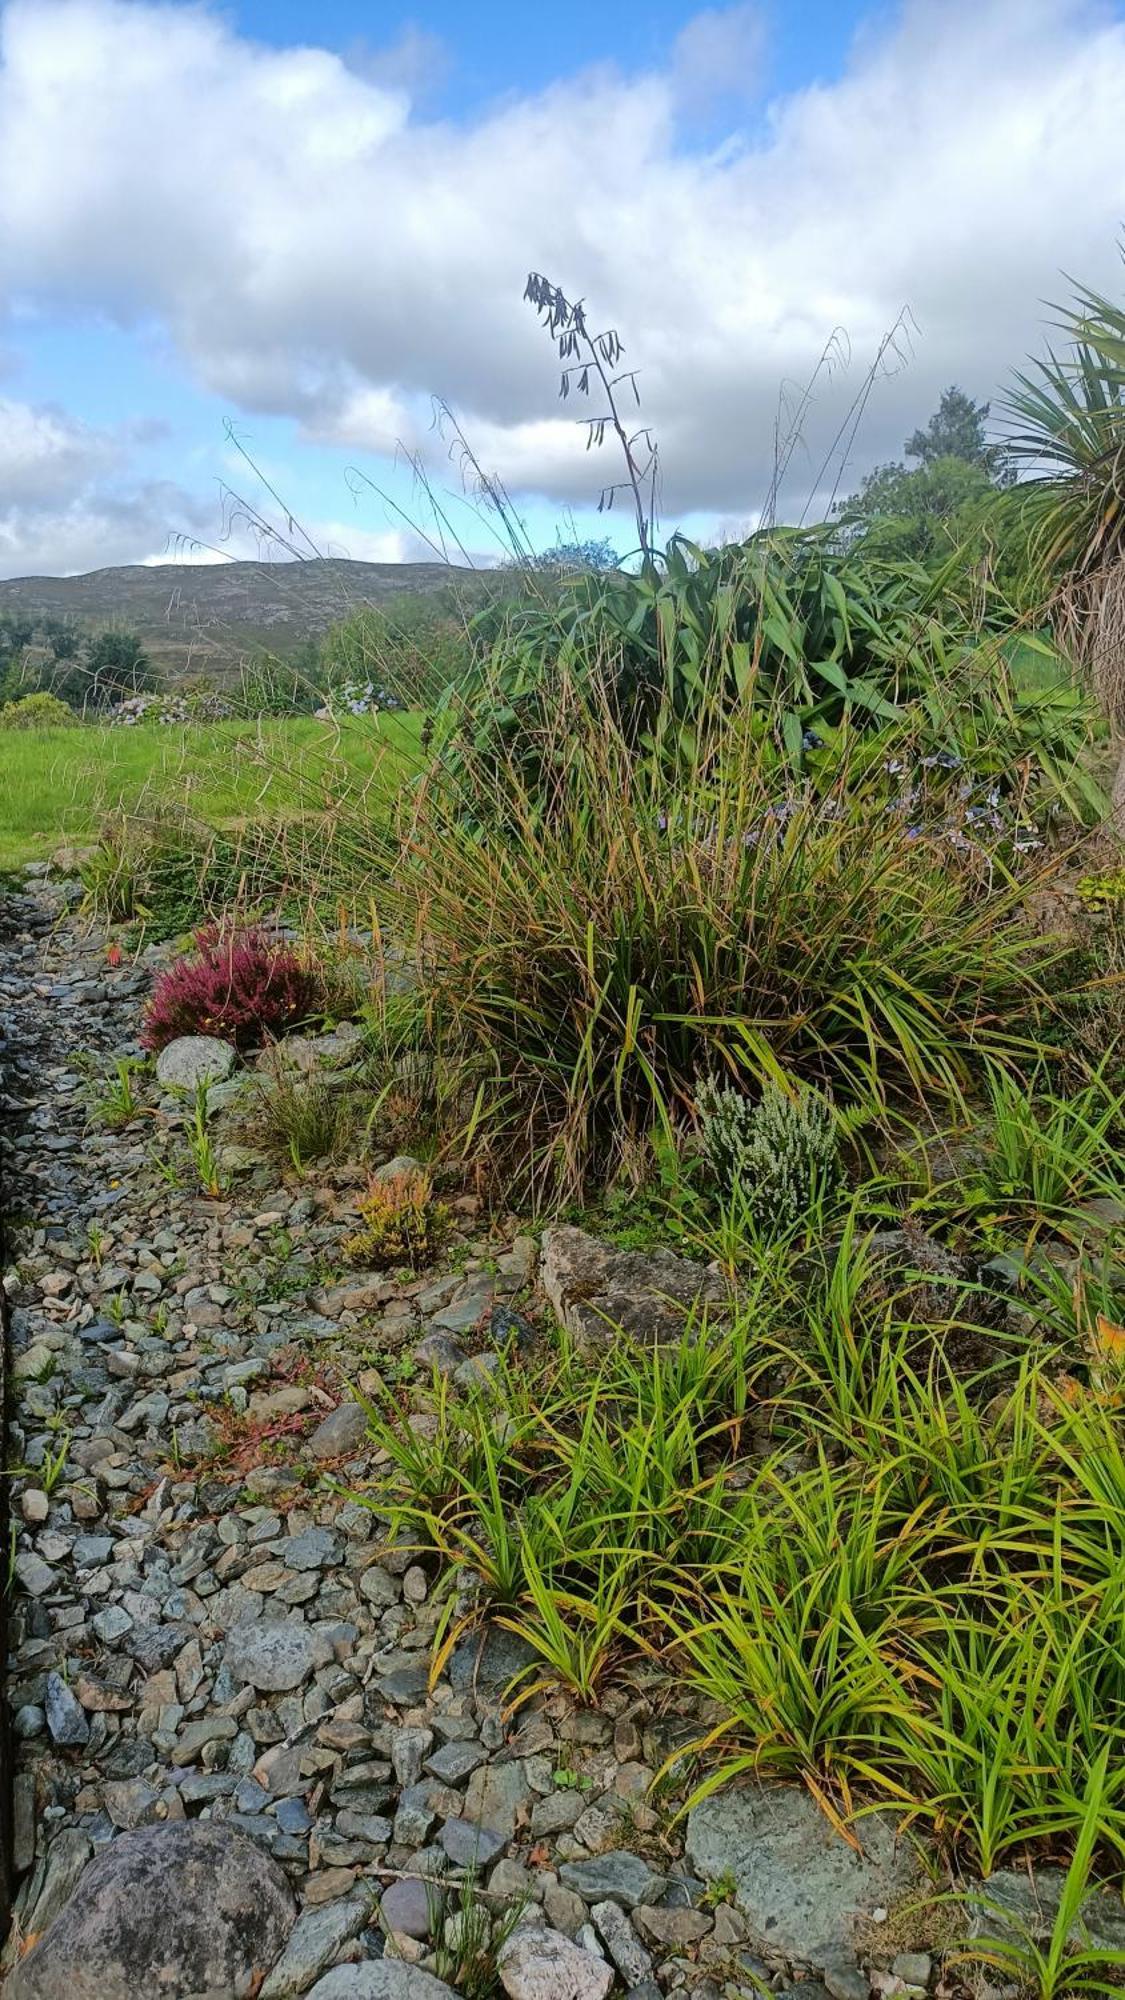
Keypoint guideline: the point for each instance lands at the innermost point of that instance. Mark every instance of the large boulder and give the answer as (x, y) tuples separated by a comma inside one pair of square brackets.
[(167, 1913), (802, 1888), (651, 1294)]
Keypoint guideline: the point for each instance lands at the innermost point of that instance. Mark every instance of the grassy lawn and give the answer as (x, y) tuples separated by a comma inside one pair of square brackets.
[(56, 784)]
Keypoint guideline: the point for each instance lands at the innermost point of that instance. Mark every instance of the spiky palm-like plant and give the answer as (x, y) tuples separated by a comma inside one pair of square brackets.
[(1068, 435)]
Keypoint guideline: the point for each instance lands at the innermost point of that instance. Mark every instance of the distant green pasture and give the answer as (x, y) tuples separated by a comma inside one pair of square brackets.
[(56, 785)]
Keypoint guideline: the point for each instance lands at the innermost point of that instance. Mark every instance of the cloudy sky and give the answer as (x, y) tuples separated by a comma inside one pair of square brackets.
[(293, 223)]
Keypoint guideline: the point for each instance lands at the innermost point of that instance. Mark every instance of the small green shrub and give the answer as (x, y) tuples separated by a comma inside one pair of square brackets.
[(303, 1116), (402, 1223), (38, 711), (160, 870), (781, 1153)]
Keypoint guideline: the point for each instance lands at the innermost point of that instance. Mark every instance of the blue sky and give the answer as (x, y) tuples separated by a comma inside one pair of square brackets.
[(305, 220)]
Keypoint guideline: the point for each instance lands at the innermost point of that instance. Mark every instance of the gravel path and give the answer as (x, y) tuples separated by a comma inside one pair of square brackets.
[(201, 1629)]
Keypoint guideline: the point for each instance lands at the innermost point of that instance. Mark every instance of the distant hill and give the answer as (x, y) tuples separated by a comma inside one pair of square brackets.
[(208, 618)]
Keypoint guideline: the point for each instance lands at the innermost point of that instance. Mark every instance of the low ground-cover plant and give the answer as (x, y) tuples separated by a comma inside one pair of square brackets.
[(240, 986), (781, 1151), (303, 1115), (401, 1222), (899, 1583)]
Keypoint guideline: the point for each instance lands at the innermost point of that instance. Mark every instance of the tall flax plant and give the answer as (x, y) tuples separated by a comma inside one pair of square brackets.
[(596, 923)]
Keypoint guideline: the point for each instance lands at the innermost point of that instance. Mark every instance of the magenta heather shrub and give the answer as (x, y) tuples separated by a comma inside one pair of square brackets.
[(242, 986)]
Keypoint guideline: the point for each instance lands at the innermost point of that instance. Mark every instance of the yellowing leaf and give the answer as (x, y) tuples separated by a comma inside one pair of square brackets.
[(1109, 1340)]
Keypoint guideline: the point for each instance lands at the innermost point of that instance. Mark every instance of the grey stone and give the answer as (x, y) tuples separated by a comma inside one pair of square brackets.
[(381, 1979), (617, 1877), (408, 1748), (1012, 1906), (914, 1968), (66, 1718), (465, 1313), (440, 1351), (36, 1576), (844, 1980), (650, 1294), (184, 1908), (194, 1059), (293, 1816), (343, 1430), (671, 1928), (410, 1905), (536, 1963), (130, 1803), (111, 1624), (556, 1813), (633, 1962), (495, 1794), (799, 1885), (565, 1911), (378, 1586), (488, 1662), (455, 1761), (391, 1170), (317, 1548), (66, 1861), (314, 1941), (470, 1846), (275, 1656)]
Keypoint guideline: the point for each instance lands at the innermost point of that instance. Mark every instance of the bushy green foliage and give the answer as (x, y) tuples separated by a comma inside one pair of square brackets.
[(162, 870), (781, 1151), (407, 652), (592, 951), (37, 711), (825, 646), (117, 666)]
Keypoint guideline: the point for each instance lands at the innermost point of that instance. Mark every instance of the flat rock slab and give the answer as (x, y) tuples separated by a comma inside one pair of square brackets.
[(651, 1294), (314, 1941), (539, 1964), (194, 1059), (381, 1979), (1013, 1906), (801, 1888), (275, 1655), (616, 1877), (165, 1913)]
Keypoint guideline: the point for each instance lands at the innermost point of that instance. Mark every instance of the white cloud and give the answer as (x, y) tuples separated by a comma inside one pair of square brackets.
[(66, 502), (316, 247)]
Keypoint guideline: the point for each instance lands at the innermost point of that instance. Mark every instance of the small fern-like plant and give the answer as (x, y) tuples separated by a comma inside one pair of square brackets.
[(780, 1151)]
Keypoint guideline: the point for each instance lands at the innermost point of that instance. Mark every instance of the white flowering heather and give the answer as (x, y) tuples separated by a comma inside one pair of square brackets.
[(780, 1151)]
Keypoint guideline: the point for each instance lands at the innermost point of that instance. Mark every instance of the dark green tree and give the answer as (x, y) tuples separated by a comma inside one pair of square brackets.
[(956, 430), (944, 502), (117, 666)]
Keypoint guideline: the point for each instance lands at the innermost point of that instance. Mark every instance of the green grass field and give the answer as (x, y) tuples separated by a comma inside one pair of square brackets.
[(56, 785)]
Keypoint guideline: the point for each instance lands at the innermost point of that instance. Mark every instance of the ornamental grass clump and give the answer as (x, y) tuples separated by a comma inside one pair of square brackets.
[(781, 1154), (240, 986), (593, 941)]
